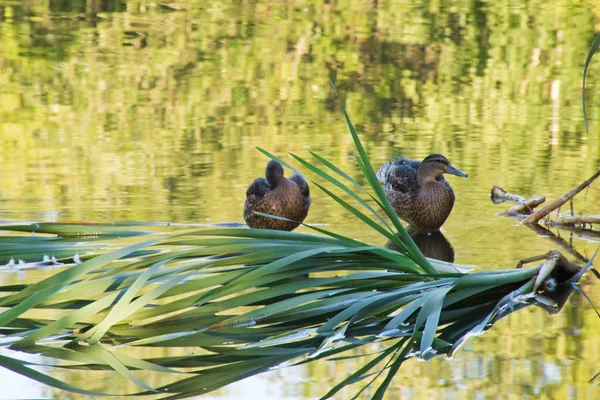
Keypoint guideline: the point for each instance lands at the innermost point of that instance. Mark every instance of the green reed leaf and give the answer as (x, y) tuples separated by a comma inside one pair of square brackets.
[(588, 60)]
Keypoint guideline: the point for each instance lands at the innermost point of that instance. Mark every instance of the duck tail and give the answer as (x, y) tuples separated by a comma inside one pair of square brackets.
[(384, 172)]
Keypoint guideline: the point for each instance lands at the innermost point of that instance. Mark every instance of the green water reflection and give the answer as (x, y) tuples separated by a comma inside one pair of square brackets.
[(139, 111)]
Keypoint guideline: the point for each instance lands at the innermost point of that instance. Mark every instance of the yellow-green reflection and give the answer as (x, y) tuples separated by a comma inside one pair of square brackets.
[(133, 110)]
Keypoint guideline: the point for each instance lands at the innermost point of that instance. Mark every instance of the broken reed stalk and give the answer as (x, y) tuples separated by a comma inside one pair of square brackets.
[(526, 207), (547, 209), (577, 220)]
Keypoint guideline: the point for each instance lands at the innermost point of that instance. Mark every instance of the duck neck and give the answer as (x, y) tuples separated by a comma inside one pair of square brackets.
[(425, 176), (273, 178), (273, 181), (274, 174)]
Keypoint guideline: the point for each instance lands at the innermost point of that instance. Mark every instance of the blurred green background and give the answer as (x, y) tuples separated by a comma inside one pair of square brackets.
[(145, 111)]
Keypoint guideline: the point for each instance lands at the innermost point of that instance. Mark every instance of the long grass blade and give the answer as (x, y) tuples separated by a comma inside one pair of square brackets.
[(392, 372), (110, 359), (354, 377), (20, 368), (374, 183), (588, 60), (67, 276), (346, 189), (388, 234), (119, 310), (68, 320)]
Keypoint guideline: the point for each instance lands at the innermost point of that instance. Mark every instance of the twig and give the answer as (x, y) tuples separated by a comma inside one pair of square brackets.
[(562, 268), (572, 210), (547, 209), (525, 207), (577, 220)]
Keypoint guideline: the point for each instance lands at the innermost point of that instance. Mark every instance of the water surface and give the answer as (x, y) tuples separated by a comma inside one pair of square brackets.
[(141, 111)]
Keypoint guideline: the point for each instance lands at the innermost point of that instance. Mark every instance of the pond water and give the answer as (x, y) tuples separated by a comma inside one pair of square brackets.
[(143, 111)]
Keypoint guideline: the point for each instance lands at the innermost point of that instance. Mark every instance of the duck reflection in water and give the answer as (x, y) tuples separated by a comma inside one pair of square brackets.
[(432, 243)]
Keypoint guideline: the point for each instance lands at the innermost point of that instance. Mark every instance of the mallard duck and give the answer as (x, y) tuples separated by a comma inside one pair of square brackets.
[(277, 195), (418, 191)]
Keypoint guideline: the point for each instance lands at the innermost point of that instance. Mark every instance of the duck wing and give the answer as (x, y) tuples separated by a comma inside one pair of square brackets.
[(402, 178), (404, 169), (258, 188), (414, 164), (303, 185), (397, 174)]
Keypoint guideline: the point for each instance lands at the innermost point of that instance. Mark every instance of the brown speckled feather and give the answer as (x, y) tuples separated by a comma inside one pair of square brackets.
[(286, 200)]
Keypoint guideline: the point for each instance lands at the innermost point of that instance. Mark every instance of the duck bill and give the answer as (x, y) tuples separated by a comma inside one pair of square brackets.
[(456, 172)]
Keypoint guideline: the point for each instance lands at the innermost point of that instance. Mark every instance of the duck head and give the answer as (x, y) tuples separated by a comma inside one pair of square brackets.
[(434, 165), (273, 173)]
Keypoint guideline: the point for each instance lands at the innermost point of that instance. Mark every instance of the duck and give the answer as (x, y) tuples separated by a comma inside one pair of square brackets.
[(418, 191), (277, 195)]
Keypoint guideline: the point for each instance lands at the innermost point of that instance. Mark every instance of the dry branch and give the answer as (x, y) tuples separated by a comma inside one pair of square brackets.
[(547, 209), (562, 269), (577, 220), (526, 207)]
